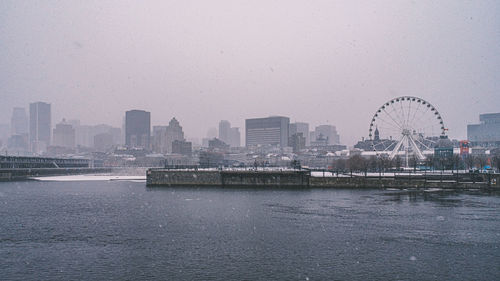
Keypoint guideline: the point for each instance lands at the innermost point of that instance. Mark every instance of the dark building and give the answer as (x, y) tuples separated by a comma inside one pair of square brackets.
[(267, 131), (40, 126), (182, 147), (137, 129)]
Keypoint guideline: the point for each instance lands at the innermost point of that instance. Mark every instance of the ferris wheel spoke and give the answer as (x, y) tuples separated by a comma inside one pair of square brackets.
[(392, 125), (423, 115), (428, 148), (416, 111), (409, 111), (396, 122), (398, 115), (402, 114), (415, 148), (397, 147)]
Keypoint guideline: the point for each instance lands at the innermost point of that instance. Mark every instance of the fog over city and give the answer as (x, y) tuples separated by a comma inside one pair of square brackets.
[(321, 62)]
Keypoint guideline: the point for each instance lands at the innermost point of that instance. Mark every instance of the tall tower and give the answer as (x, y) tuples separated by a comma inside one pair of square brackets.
[(19, 121), (224, 131), (40, 126), (138, 128)]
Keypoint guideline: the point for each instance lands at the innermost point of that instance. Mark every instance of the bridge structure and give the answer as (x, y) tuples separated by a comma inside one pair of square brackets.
[(14, 168), (22, 162)]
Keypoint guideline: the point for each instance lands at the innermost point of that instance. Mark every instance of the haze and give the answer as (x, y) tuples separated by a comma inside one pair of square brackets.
[(322, 62)]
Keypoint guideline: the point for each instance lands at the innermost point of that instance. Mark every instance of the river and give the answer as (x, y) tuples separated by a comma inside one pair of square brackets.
[(122, 230)]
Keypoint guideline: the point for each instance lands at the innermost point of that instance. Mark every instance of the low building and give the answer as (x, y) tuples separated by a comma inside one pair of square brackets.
[(182, 147)]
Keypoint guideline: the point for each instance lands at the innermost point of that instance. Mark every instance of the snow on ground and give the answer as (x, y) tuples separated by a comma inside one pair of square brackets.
[(91, 178)]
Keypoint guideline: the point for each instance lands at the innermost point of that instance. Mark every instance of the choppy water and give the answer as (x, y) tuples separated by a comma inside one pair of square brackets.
[(106, 230)]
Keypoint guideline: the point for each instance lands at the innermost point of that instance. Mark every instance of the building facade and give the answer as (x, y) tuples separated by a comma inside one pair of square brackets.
[(40, 126), (64, 135), (19, 121), (329, 132), (487, 133), (137, 128), (300, 127), (267, 131)]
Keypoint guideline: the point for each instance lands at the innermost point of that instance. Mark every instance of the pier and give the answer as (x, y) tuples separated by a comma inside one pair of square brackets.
[(306, 179)]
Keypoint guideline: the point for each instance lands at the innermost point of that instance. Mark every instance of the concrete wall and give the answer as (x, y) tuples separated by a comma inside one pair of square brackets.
[(183, 178), (401, 182), (227, 178)]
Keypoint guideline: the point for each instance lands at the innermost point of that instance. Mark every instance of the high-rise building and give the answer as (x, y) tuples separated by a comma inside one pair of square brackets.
[(174, 132), (297, 141), (224, 130), (234, 137), (164, 136), (329, 132), (19, 121), (137, 128), (487, 133), (300, 127), (40, 126), (229, 135), (64, 135), (267, 131)]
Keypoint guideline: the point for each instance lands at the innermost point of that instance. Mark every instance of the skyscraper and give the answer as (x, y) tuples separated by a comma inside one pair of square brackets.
[(137, 128), (40, 126), (224, 130), (300, 127), (19, 121), (267, 131), (234, 137)]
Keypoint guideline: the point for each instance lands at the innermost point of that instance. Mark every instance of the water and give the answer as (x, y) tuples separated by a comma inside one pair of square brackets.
[(119, 230)]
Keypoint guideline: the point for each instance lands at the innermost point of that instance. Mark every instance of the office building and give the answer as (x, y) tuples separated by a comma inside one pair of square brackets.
[(103, 142), (182, 147), (224, 130), (19, 121), (229, 135), (300, 127), (64, 135), (267, 131), (40, 126), (487, 133), (234, 137), (164, 136), (327, 131), (137, 128)]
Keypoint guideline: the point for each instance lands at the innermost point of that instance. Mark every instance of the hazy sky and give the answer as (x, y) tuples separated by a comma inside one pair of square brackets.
[(322, 62)]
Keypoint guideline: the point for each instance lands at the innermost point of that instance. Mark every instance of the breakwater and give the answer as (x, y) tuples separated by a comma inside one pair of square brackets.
[(304, 179)]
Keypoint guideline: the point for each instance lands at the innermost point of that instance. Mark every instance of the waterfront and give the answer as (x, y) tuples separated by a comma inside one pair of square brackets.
[(123, 230)]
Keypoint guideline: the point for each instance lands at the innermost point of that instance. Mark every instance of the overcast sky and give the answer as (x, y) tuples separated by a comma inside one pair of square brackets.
[(322, 62)]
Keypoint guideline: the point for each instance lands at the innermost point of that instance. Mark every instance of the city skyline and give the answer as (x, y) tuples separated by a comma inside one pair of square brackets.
[(93, 61)]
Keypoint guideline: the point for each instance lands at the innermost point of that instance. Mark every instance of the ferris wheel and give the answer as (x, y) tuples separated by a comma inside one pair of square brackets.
[(406, 126)]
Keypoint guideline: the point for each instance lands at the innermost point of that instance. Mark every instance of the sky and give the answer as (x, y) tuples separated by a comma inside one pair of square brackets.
[(321, 62)]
